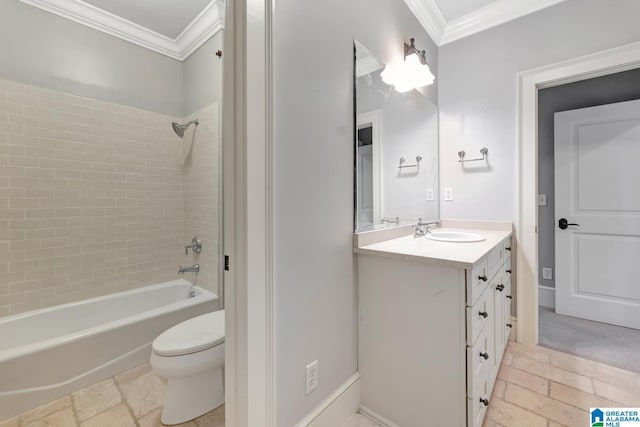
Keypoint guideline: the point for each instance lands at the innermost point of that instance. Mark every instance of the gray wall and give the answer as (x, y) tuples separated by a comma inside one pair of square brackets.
[(617, 87), (202, 76), (316, 294), (477, 93), (48, 51)]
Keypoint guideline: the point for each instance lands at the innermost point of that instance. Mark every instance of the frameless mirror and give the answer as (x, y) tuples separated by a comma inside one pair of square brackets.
[(396, 150)]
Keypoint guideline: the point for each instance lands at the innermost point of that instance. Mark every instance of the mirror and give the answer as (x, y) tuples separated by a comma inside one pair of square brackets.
[(396, 150)]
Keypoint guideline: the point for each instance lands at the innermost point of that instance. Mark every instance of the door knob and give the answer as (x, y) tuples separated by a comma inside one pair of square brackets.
[(500, 288), (483, 278), (563, 224), (485, 356), (485, 402), (483, 314)]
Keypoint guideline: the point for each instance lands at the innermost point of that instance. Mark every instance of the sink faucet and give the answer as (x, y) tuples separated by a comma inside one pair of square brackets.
[(424, 228), (194, 268)]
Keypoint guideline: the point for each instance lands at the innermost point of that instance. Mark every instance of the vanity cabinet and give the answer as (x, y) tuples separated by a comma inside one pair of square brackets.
[(431, 335)]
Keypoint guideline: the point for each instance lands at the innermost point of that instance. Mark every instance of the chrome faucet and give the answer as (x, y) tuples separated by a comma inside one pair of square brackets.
[(194, 268), (424, 228)]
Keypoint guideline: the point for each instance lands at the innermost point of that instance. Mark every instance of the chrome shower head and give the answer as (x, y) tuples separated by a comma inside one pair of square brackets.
[(179, 129)]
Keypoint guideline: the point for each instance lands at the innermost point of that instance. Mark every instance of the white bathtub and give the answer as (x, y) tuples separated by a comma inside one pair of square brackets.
[(49, 353)]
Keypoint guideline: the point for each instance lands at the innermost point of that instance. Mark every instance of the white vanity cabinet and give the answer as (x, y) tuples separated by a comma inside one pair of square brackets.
[(431, 333)]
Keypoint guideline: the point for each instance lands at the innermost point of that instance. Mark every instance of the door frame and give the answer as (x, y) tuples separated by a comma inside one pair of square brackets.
[(247, 214), (374, 118), (528, 83)]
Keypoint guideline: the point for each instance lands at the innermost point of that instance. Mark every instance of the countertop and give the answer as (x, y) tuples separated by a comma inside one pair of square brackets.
[(459, 255)]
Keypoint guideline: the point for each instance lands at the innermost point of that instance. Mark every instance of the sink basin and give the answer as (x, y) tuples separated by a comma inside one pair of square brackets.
[(455, 236)]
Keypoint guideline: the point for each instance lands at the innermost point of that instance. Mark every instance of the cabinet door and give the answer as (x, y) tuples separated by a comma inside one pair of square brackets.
[(498, 289)]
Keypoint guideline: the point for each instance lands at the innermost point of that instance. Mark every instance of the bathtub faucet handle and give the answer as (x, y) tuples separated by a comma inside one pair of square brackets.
[(195, 246)]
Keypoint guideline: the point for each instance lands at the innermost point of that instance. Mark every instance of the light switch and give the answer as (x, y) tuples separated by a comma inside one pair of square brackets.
[(547, 273), (429, 194), (448, 194), (542, 200)]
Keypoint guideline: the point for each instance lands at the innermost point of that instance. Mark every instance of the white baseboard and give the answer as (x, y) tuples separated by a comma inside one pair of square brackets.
[(546, 296), (337, 408), (376, 417)]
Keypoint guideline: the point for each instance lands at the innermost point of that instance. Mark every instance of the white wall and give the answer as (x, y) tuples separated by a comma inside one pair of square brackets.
[(477, 93), (314, 271), (47, 51), (202, 76)]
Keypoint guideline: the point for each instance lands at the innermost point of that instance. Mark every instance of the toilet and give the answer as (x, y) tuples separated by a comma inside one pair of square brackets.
[(190, 356)]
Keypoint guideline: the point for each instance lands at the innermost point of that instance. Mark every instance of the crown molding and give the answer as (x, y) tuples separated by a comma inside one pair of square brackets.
[(205, 25), (430, 17), (491, 15)]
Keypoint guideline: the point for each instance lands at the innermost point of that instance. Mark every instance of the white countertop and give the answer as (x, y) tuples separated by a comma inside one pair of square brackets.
[(460, 255)]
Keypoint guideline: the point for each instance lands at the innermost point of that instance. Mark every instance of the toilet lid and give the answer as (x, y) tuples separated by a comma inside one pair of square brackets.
[(193, 335)]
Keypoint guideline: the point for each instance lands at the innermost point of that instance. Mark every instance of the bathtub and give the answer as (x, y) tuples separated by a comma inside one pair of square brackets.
[(49, 353)]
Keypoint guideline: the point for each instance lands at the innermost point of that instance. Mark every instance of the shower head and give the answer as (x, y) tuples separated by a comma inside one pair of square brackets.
[(179, 129)]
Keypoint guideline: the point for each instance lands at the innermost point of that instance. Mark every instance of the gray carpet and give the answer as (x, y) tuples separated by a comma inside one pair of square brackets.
[(613, 345)]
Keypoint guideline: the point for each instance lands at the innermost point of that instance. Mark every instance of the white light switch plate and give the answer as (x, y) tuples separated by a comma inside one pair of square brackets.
[(547, 273), (429, 194), (542, 200), (448, 194)]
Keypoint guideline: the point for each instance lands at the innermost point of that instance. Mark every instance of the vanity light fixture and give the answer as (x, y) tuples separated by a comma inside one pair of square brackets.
[(409, 73)]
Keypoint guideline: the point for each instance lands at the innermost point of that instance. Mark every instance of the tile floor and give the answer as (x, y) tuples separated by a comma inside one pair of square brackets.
[(543, 387), (535, 387), (131, 399)]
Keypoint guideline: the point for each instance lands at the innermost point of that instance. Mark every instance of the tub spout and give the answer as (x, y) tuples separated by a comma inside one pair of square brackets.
[(194, 268)]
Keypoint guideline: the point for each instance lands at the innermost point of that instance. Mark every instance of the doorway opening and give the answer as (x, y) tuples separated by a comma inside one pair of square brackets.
[(586, 136), (529, 83)]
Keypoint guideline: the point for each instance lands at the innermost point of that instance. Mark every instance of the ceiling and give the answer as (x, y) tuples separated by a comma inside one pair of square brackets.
[(450, 20), (175, 28), (166, 17)]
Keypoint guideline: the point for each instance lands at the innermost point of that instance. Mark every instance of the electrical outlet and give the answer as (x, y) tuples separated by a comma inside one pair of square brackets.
[(542, 200), (547, 273), (429, 194), (448, 194), (312, 377)]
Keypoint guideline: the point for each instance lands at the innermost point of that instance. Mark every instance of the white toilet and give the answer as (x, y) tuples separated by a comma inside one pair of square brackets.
[(190, 356)]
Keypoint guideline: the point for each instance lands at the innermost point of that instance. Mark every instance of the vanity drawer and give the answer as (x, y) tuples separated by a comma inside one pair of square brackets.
[(477, 403), (507, 246), (495, 259), (480, 361), (477, 281), (478, 316)]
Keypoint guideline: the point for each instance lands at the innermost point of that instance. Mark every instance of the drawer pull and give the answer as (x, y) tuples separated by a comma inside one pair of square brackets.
[(483, 278), (500, 288), (484, 314), (485, 402), (509, 296), (509, 271), (485, 356), (508, 248), (510, 325)]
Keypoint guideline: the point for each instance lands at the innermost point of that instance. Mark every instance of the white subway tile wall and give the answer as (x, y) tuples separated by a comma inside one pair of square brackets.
[(93, 197), (200, 192)]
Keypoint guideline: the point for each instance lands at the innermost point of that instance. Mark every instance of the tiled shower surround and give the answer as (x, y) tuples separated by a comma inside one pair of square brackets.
[(97, 197)]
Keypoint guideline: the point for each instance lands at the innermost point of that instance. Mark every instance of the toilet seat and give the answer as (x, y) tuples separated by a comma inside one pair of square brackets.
[(191, 336)]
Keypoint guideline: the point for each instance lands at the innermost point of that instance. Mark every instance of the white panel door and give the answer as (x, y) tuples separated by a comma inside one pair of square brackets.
[(597, 185)]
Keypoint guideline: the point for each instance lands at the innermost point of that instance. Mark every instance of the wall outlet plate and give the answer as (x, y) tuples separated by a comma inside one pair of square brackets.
[(547, 273), (448, 194), (430, 195), (542, 200), (311, 377)]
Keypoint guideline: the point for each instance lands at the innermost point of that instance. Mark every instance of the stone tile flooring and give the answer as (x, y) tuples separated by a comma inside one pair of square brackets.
[(536, 386), (540, 387), (131, 399)]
